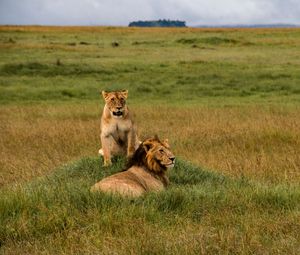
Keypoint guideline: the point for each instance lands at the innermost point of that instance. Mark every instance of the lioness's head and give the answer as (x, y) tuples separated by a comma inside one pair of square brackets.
[(154, 154), (116, 102)]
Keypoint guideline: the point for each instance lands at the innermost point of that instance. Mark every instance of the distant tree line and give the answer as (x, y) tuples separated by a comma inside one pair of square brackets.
[(158, 23)]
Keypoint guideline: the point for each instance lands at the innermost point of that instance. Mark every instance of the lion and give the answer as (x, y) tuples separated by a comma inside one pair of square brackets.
[(146, 171), (118, 132)]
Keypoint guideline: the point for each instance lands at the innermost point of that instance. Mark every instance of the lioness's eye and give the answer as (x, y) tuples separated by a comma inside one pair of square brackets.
[(161, 150), (112, 99)]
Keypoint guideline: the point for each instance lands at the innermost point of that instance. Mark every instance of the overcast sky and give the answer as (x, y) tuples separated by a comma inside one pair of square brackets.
[(121, 12)]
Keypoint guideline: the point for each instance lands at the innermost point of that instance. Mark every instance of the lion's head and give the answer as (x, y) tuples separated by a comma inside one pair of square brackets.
[(116, 102), (154, 154)]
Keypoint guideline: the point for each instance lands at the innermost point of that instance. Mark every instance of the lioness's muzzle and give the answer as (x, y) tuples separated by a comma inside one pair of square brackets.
[(119, 113)]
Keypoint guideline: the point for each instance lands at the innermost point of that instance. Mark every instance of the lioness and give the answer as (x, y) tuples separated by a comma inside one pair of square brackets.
[(118, 132), (146, 171)]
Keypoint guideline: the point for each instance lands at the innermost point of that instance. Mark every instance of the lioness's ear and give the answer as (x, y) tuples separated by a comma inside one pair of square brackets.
[(124, 93), (104, 94), (166, 143), (147, 146)]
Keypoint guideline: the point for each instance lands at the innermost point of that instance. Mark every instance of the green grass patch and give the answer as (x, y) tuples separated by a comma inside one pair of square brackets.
[(48, 70), (214, 40), (61, 203)]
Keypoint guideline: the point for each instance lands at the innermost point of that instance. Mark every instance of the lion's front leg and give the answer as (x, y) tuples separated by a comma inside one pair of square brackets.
[(131, 138), (105, 141)]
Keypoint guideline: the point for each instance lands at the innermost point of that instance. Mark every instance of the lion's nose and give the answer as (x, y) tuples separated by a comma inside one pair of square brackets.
[(119, 108), (172, 158)]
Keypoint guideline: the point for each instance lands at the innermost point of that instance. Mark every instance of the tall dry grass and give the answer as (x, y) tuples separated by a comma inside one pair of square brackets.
[(257, 142)]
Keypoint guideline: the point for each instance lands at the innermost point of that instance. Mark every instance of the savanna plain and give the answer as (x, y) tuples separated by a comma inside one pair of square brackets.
[(228, 100)]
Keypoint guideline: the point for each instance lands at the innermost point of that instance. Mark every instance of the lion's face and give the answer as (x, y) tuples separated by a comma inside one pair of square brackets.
[(116, 102), (158, 154)]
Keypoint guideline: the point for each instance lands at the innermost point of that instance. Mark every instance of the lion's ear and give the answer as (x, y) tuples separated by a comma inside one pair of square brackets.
[(104, 94), (147, 146), (166, 143), (124, 93)]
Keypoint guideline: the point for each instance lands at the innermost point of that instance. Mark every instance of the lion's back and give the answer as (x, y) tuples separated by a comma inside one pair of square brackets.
[(133, 183)]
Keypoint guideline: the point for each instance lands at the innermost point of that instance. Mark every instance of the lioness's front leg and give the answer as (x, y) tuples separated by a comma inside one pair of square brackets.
[(105, 141), (131, 138)]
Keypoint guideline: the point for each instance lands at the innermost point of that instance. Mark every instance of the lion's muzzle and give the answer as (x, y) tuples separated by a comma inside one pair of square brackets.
[(118, 113)]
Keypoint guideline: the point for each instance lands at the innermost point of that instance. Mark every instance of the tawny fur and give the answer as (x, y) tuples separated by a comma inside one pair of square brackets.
[(147, 171), (118, 132)]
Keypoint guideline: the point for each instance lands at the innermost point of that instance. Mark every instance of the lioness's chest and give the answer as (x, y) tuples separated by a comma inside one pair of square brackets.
[(118, 128)]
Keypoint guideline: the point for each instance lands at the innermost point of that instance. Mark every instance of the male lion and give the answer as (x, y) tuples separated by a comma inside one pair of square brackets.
[(146, 171), (118, 132)]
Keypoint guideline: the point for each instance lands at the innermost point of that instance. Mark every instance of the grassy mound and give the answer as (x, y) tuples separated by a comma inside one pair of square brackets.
[(201, 212)]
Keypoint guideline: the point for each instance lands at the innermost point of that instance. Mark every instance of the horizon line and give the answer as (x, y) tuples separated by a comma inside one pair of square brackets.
[(237, 25)]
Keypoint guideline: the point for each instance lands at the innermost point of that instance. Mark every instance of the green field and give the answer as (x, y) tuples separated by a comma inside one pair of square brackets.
[(177, 64), (227, 99)]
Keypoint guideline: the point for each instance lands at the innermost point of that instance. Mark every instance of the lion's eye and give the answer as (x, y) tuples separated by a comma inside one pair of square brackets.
[(112, 99), (161, 150)]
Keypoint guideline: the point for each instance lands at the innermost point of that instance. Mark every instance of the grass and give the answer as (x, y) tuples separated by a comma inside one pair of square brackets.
[(57, 64), (60, 206), (227, 99), (259, 142)]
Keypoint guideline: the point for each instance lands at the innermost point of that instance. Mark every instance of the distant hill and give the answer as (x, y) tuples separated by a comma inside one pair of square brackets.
[(250, 26), (158, 23)]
